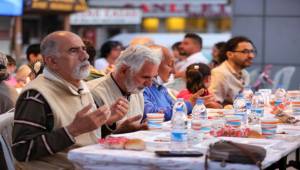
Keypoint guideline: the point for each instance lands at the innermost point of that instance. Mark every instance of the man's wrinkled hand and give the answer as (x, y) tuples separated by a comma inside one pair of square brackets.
[(86, 121), (131, 124), (118, 110)]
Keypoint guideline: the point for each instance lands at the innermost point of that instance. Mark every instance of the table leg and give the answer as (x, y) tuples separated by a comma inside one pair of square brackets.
[(282, 163), (295, 163)]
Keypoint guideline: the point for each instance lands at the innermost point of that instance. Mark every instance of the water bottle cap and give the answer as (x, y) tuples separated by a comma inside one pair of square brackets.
[(248, 105), (180, 99), (257, 93), (179, 109), (199, 101), (240, 95)]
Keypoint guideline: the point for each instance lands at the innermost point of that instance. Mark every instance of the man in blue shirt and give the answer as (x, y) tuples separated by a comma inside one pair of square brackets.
[(157, 97)]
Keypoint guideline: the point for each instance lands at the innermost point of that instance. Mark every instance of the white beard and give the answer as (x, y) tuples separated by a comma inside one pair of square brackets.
[(130, 85), (80, 73)]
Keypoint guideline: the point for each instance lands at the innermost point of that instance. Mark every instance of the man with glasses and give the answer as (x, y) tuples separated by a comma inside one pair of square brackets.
[(228, 79)]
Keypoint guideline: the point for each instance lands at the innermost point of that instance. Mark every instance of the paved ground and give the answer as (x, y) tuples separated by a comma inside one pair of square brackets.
[(291, 157)]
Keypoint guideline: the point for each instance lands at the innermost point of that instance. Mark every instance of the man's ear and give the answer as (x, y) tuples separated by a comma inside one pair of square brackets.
[(124, 68), (51, 62), (229, 54), (31, 57)]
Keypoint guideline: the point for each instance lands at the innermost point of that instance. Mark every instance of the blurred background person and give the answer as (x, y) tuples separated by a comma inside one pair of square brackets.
[(146, 41), (33, 55), (94, 73), (36, 69), (11, 69), (197, 82), (191, 46), (8, 95), (216, 54), (23, 76), (179, 58), (229, 78), (109, 52)]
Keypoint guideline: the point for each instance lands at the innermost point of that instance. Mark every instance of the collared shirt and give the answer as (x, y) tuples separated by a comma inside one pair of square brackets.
[(81, 89), (226, 83), (124, 93), (157, 99), (194, 58)]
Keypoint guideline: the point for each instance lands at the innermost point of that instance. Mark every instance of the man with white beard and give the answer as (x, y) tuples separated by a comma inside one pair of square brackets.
[(56, 111), (134, 70)]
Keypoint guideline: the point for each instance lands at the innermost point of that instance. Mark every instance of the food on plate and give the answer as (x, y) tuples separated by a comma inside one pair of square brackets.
[(122, 143), (278, 109), (286, 118), (113, 142), (231, 131), (135, 144), (229, 106)]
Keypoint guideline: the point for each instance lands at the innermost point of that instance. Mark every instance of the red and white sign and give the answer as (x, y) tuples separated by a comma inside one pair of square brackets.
[(169, 8), (107, 16)]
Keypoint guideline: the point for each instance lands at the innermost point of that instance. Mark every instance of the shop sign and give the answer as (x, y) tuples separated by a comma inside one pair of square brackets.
[(107, 16), (168, 8), (56, 5)]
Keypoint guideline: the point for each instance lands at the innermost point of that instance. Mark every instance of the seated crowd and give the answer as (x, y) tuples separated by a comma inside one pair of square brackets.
[(64, 102)]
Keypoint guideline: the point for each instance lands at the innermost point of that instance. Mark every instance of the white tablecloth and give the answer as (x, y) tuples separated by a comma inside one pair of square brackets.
[(96, 157)]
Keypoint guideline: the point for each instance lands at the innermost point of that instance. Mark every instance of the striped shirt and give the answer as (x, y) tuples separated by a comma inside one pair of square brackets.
[(33, 133)]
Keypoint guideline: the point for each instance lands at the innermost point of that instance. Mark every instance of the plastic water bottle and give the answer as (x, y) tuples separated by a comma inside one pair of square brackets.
[(280, 95), (179, 103), (179, 130), (248, 93), (258, 104), (240, 108), (200, 124), (199, 111)]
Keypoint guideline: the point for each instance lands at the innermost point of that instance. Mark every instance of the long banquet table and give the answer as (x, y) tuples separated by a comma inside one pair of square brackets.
[(97, 157)]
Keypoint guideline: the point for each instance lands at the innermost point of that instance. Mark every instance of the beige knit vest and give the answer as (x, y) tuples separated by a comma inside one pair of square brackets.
[(105, 91), (64, 105)]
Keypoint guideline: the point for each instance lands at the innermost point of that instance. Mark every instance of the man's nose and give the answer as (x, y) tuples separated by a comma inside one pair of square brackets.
[(172, 70), (251, 55), (84, 55), (148, 83)]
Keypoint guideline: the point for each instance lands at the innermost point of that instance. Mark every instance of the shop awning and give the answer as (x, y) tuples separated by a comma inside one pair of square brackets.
[(56, 5)]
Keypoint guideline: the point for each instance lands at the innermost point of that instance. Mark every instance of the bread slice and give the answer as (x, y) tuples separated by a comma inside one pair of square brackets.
[(135, 144)]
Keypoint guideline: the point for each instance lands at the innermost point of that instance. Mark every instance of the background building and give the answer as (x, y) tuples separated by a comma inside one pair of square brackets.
[(273, 25), (152, 16)]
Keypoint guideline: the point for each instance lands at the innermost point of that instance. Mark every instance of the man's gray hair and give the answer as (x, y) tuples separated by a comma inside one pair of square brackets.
[(135, 57), (49, 45)]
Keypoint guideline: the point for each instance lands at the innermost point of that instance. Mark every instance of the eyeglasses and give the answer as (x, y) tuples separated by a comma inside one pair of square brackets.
[(247, 52)]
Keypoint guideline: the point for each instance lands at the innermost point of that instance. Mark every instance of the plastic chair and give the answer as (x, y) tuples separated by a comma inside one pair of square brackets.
[(283, 77), (6, 125)]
